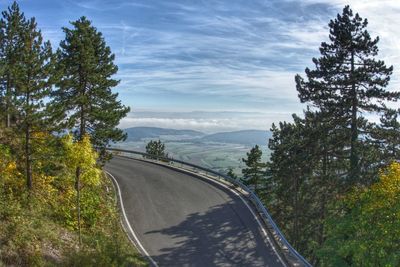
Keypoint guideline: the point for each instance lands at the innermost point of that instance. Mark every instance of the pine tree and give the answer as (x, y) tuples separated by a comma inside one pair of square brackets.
[(232, 174), (290, 168), (156, 149), (348, 81), (12, 24), (304, 175), (254, 174), (27, 79), (85, 66), (388, 135)]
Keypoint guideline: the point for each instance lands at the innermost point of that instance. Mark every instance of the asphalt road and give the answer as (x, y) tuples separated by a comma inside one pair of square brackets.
[(183, 220)]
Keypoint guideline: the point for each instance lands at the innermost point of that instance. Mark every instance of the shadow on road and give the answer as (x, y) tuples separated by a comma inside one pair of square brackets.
[(218, 237)]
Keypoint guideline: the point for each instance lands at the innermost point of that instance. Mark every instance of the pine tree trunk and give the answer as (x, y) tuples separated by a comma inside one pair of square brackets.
[(82, 93), (28, 157), (8, 116), (8, 120), (296, 214), (354, 173), (321, 238), (82, 132), (27, 145), (82, 129), (78, 202), (256, 185)]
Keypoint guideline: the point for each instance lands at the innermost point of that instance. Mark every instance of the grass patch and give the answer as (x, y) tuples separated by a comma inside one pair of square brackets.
[(33, 233)]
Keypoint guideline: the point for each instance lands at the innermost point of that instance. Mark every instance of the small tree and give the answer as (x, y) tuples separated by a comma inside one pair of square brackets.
[(254, 174), (231, 174), (81, 160), (156, 149)]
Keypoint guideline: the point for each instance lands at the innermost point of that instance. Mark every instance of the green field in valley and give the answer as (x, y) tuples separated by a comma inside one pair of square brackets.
[(216, 156)]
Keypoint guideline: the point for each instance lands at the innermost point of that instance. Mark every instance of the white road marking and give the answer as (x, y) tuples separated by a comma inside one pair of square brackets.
[(129, 225), (214, 180)]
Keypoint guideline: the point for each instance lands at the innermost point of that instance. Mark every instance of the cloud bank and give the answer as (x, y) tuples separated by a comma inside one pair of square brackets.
[(215, 54)]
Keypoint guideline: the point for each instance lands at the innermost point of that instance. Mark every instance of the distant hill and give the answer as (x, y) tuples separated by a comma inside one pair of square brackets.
[(139, 133), (246, 137)]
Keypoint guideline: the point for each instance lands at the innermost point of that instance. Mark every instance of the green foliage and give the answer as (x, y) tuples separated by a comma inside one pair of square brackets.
[(320, 158), (81, 154), (12, 24), (36, 230), (231, 174), (25, 71), (367, 232), (347, 82), (387, 135), (297, 189), (104, 248), (105, 243), (84, 96), (254, 174), (156, 149), (37, 224)]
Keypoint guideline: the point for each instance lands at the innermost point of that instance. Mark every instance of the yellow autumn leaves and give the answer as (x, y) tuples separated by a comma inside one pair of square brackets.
[(81, 154), (389, 184), (56, 190), (369, 233)]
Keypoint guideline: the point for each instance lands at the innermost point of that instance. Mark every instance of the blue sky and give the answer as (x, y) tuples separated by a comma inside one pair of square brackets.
[(213, 65)]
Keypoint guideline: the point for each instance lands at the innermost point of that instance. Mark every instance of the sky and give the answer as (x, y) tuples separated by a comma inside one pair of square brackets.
[(214, 65)]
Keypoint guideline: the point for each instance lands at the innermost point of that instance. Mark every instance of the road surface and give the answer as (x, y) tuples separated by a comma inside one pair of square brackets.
[(184, 220)]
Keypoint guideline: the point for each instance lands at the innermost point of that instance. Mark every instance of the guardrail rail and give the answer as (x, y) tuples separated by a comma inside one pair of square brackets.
[(290, 254)]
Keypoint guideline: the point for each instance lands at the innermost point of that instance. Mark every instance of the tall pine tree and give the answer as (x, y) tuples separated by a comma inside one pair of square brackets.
[(84, 96), (34, 86), (26, 79), (348, 81), (305, 174), (12, 24)]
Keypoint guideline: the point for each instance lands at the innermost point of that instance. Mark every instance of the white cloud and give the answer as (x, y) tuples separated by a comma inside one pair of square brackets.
[(382, 15), (205, 121), (247, 52)]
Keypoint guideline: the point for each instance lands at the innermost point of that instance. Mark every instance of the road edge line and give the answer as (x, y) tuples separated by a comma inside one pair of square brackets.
[(226, 186), (252, 212), (121, 203)]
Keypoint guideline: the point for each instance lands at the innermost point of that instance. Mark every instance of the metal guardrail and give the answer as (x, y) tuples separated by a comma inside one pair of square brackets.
[(291, 255)]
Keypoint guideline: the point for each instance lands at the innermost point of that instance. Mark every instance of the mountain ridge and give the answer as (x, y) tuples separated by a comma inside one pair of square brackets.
[(248, 137), (140, 133)]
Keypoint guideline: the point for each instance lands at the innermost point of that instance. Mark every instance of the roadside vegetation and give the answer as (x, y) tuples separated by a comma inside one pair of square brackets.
[(57, 208), (156, 149), (332, 182), (40, 227)]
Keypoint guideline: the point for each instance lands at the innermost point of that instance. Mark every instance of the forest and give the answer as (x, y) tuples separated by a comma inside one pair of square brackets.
[(57, 114), (333, 180)]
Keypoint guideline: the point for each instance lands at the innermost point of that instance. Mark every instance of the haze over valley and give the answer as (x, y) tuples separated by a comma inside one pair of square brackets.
[(218, 151)]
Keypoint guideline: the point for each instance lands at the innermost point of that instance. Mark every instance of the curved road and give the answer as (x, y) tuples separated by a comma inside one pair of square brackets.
[(184, 220)]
